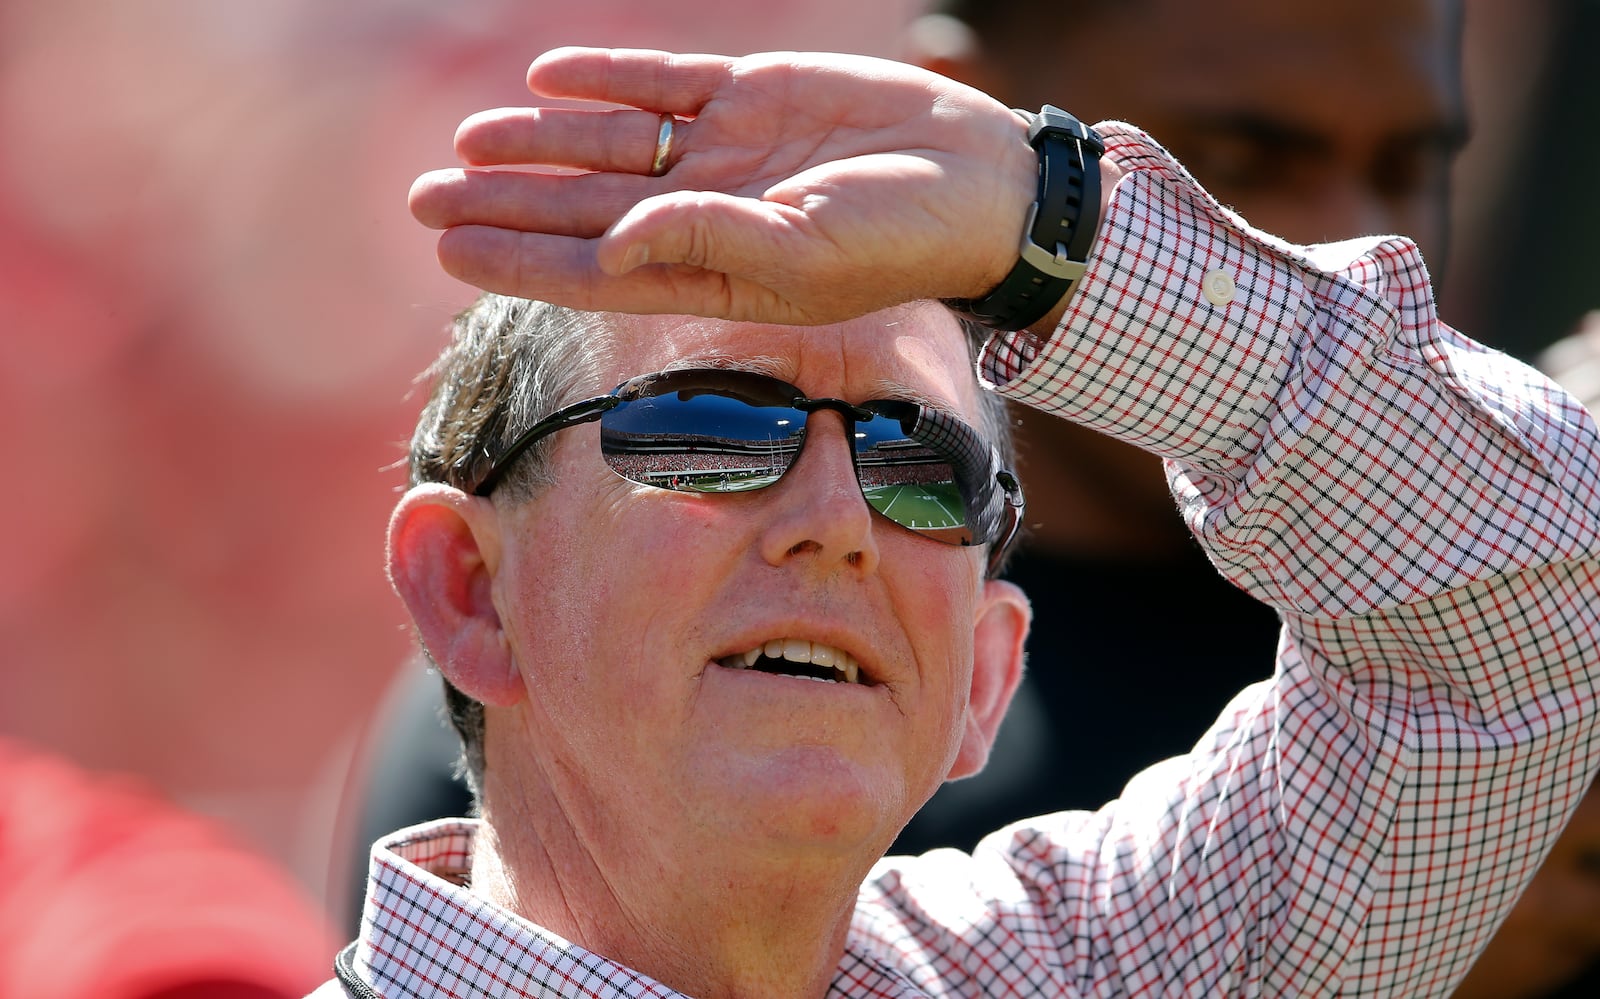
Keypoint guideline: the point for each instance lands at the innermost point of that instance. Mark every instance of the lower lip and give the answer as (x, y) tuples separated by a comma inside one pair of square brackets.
[(796, 682)]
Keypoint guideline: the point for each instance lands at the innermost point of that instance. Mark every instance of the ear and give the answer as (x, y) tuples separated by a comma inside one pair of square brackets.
[(945, 45), (1003, 617), (444, 549)]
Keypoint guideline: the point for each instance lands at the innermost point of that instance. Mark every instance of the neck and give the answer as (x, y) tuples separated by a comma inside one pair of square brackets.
[(711, 922)]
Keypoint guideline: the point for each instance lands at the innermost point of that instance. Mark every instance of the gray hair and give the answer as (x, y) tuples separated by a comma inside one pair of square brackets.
[(509, 363)]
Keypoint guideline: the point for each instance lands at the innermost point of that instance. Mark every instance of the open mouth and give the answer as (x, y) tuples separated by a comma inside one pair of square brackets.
[(798, 658)]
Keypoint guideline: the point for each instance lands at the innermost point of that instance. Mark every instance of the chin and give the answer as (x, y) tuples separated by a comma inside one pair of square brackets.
[(814, 797)]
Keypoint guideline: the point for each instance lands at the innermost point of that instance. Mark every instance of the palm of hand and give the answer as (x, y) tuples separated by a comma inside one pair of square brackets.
[(799, 190)]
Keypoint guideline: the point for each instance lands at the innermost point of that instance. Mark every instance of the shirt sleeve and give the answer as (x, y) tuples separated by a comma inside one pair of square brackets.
[(1422, 512)]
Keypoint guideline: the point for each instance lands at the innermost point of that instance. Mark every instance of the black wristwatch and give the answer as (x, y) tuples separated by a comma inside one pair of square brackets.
[(1061, 224)]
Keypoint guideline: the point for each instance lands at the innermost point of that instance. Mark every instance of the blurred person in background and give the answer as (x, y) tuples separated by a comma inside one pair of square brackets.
[(113, 892), (195, 435), (1316, 122)]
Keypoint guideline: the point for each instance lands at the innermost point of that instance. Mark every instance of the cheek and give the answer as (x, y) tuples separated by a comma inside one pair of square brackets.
[(685, 529), (667, 556), (1426, 221), (550, 600), (623, 579), (935, 599), (561, 581)]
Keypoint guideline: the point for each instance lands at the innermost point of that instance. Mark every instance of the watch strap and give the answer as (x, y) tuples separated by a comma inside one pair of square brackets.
[(1061, 225)]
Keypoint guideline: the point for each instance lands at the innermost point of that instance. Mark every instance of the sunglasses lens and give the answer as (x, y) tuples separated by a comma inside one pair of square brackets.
[(910, 481), (730, 432), (694, 441)]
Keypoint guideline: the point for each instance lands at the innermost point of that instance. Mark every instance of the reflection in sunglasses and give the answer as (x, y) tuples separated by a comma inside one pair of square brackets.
[(728, 431)]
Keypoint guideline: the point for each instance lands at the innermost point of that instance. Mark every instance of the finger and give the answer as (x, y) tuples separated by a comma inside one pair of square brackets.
[(562, 270), (584, 205), (641, 78), (527, 265), (621, 140), (744, 237)]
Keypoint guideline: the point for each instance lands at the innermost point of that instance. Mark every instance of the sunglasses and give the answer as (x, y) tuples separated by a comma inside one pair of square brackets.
[(712, 430)]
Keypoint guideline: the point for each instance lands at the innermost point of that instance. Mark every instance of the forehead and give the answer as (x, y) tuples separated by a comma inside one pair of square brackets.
[(1366, 65), (916, 351)]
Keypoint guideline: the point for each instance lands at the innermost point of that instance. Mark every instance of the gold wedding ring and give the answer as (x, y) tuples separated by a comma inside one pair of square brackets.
[(658, 163)]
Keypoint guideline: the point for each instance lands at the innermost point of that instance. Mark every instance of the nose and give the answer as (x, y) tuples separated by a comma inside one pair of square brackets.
[(816, 513)]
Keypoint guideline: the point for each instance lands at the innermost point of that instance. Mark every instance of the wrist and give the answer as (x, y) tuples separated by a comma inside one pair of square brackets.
[(1060, 228), (1110, 175)]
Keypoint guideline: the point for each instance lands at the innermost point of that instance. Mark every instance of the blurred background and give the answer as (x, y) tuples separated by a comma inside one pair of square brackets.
[(213, 303)]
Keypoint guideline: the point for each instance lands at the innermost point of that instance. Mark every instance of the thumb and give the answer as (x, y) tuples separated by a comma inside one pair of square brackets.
[(742, 237)]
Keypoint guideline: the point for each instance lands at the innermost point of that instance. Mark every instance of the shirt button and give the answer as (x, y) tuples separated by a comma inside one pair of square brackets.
[(1218, 287)]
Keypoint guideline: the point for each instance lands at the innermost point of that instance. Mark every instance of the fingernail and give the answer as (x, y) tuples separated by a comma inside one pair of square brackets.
[(637, 256)]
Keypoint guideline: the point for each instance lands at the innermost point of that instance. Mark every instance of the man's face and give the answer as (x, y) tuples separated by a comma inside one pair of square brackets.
[(619, 601), (1315, 121)]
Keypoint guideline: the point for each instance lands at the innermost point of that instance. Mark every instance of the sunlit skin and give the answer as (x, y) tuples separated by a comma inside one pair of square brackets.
[(703, 824)]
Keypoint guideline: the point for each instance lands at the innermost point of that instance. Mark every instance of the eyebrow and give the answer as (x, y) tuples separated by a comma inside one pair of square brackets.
[(888, 388), (759, 364)]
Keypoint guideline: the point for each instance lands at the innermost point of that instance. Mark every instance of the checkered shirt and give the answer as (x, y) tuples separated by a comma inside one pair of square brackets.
[(1424, 515)]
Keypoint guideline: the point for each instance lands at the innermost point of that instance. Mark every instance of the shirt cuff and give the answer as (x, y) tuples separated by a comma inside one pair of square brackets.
[(1181, 329)]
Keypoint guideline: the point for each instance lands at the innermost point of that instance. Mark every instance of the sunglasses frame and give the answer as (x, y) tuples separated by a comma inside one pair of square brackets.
[(638, 387)]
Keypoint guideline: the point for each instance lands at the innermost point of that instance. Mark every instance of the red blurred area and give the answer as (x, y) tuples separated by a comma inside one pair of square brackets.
[(213, 302), (110, 891)]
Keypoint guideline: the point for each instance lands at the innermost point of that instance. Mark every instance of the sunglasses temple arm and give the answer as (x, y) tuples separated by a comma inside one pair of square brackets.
[(586, 411), (1015, 504)]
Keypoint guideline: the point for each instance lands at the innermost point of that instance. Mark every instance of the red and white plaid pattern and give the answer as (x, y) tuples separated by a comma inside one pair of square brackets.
[(1425, 515)]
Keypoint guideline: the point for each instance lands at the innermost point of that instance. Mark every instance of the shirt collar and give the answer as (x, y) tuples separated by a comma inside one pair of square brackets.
[(423, 933)]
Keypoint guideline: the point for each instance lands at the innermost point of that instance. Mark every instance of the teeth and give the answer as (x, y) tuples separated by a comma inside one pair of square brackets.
[(799, 650)]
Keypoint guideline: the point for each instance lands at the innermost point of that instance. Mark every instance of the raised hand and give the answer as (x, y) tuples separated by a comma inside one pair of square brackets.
[(798, 188)]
